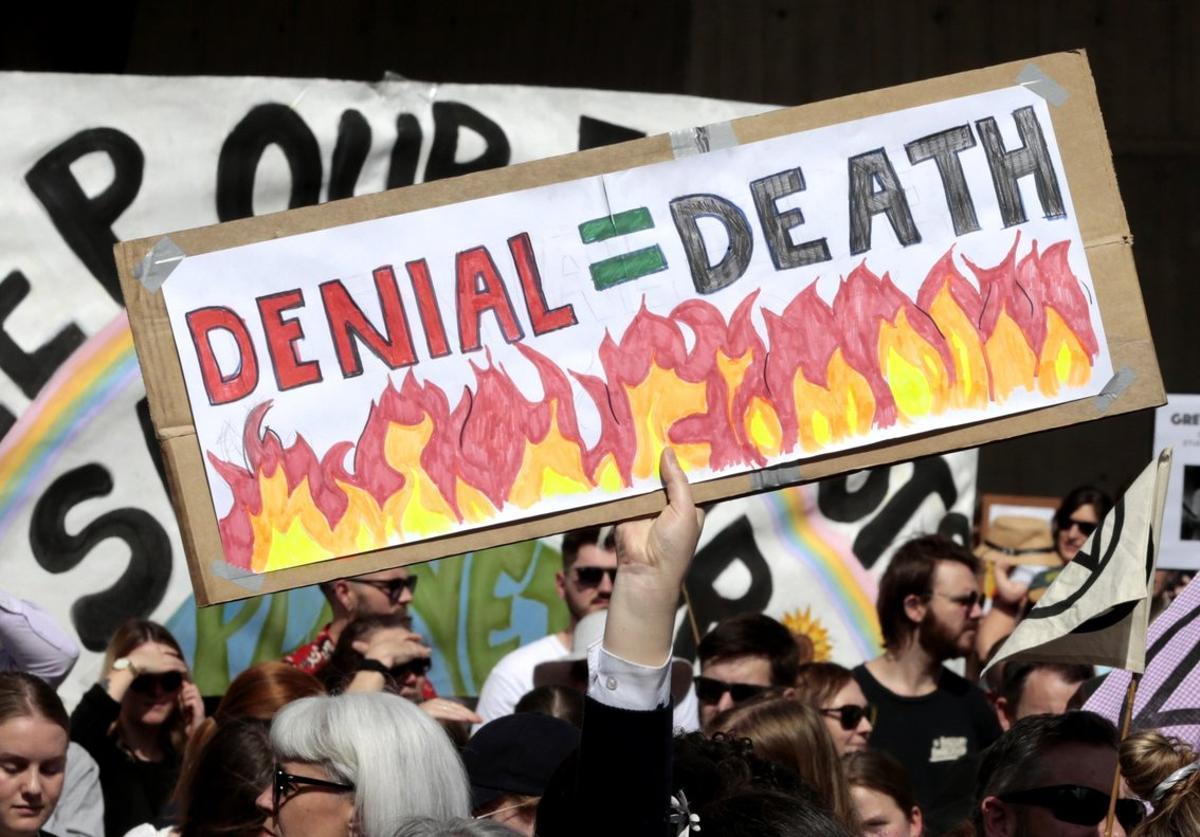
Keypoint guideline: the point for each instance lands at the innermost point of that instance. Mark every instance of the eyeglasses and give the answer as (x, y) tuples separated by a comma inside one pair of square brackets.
[(851, 715), (286, 784), (393, 589), (592, 576), (148, 684), (710, 690), (1085, 527), (967, 600), (1078, 805)]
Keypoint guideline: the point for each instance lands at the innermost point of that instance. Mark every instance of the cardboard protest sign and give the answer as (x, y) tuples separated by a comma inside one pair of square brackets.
[(835, 277), (1177, 425)]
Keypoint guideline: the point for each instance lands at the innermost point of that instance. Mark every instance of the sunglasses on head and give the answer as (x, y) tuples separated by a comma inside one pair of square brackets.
[(148, 684), (851, 715), (710, 690), (393, 589), (1078, 805), (592, 576), (286, 784)]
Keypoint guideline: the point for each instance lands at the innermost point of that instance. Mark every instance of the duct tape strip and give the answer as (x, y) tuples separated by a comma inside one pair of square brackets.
[(247, 581), (687, 142), (1115, 386), (1032, 78), (157, 264), (777, 477)]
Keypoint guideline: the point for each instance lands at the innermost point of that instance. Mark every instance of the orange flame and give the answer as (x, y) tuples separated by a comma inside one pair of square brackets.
[(832, 373)]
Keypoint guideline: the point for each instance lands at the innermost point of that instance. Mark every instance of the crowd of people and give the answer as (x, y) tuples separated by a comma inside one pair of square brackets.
[(598, 729)]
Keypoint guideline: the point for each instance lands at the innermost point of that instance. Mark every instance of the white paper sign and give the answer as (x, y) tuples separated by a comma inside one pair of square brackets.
[(391, 380), (1177, 426)]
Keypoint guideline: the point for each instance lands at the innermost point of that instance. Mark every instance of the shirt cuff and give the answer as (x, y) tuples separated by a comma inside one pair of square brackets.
[(618, 683)]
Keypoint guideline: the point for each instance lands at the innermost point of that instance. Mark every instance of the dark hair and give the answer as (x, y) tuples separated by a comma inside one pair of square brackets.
[(231, 769), (589, 536), (754, 813), (911, 572), (883, 773), (1016, 675), (343, 663), (128, 637), (753, 635), (1014, 760), (23, 695), (1077, 498), (818, 683), (554, 700)]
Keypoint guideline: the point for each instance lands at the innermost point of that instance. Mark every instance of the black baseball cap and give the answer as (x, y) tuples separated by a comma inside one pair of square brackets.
[(516, 754)]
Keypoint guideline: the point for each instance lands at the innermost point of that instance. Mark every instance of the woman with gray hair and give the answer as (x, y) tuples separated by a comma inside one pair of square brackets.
[(360, 764)]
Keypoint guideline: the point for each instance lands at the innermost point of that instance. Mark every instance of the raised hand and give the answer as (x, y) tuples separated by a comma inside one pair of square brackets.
[(393, 646)]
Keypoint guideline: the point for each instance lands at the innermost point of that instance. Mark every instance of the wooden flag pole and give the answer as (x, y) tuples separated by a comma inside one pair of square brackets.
[(1126, 717), (687, 602)]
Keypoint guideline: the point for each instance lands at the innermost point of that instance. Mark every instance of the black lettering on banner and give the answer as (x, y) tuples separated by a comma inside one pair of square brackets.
[(596, 133), (867, 170), (449, 118), (943, 148), (732, 544), (31, 370), (266, 125), (402, 168), (349, 154), (777, 225), (7, 420), (139, 590), (710, 278), (956, 527), (1008, 167), (85, 223), (837, 502)]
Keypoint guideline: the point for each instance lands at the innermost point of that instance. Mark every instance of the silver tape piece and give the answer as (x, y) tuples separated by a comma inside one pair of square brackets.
[(1116, 385), (247, 581), (688, 142), (777, 477), (1032, 78), (157, 264)]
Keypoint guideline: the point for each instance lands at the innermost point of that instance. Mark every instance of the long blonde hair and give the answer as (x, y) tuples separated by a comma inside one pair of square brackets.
[(787, 732), (132, 634), (1148, 758)]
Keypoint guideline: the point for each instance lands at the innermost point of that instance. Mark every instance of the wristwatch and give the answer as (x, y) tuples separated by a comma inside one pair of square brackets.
[(373, 665), (125, 664)]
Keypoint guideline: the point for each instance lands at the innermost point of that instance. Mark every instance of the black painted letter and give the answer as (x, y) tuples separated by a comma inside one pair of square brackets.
[(776, 225), (709, 278), (264, 125), (31, 370), (1010, 166), (943, 148), (449, 118), (866, 202)]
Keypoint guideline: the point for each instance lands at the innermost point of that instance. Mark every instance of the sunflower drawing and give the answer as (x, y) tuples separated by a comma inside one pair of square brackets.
[(809, 630)]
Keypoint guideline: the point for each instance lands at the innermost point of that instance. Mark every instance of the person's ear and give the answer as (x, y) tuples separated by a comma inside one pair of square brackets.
[(352, 829), (789, 692), (1003, 713), (344, 596), (916, 822), (915, 606), (996, 817), (560, 583)]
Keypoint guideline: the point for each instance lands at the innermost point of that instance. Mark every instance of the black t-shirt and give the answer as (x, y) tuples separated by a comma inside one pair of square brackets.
[(938, 737)]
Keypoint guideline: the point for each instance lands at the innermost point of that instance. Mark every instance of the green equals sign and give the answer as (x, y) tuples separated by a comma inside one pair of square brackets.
[(629, 266)]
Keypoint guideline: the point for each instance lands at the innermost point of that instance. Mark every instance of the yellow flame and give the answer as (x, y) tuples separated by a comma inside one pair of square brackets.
[(1011, 361), (913, 369), (825, 415), (551, 467), (970, 364), (608, 475), (657, 403), (419, 506), (1063, 361), (762, 427)]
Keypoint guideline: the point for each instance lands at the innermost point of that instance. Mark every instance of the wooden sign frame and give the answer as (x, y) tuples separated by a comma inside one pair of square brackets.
[(1064, 79)]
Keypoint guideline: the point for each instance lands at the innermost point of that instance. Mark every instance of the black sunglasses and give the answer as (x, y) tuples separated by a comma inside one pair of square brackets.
[(709, 690), (286, 783), (592, 576), (393, 589), (967, 600), (148, 684), (1086, 527), (851, 715), (1078, 805)]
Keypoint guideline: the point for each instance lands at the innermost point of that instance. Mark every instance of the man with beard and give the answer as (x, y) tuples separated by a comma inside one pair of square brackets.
[(933, 721)]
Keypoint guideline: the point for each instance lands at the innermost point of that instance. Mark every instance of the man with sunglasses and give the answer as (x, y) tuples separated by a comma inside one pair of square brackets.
[(742, 657), (930, 719), (383, 593), (1052, 775), (585, 584)]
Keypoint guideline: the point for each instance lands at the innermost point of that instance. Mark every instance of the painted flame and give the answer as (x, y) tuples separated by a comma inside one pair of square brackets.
[(832, 373)]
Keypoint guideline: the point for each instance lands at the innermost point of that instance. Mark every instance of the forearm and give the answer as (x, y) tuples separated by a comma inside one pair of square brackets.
[(34, 642), (641, 619)]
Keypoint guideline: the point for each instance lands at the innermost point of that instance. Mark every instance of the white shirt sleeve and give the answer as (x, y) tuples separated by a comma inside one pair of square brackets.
[(31, 641), (500, 693), (618, 683)]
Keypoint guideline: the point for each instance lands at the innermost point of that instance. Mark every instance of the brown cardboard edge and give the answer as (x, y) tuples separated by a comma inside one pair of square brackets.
[(1089, 169)]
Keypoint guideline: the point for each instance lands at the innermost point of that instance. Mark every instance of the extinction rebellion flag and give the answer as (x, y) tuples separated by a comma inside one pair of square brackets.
[(1098, 608)]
